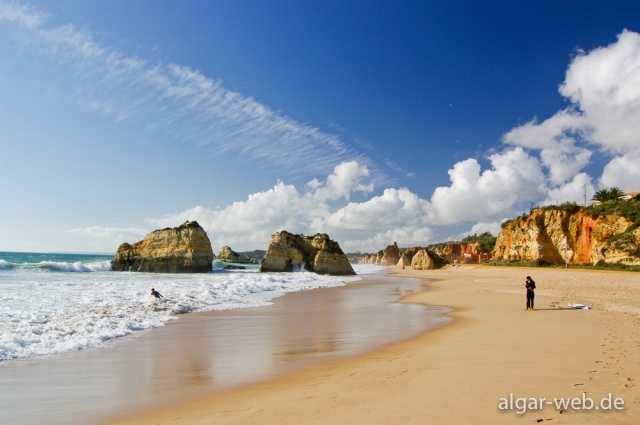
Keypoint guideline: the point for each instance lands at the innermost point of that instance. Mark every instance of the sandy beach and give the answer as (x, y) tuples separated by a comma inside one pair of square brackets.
[(460, 372)]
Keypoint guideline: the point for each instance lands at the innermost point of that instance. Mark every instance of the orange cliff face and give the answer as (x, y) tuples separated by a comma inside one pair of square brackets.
[(556, 235)]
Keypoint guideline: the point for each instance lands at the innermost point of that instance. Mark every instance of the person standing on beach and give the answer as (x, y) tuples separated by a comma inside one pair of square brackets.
[(531, 286), (156, 293)]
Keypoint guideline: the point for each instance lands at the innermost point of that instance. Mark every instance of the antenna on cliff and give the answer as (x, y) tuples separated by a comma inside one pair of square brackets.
[(585, 196)]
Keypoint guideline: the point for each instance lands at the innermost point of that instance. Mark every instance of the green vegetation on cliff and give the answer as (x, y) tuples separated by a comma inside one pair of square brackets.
[(256, 254), (486, 239)]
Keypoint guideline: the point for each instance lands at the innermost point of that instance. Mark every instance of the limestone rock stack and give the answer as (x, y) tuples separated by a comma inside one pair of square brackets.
[(316, 253), (556, 235), (228, 255), (409, 253), (182, 249), (390, 255), (422, 261), (404, 261)]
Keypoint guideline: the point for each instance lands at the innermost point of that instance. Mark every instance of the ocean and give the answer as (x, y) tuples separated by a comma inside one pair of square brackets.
[(52, 303)]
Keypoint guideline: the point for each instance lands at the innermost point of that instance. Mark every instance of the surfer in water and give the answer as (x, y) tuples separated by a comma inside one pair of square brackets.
[(531, 286), (156, 293)]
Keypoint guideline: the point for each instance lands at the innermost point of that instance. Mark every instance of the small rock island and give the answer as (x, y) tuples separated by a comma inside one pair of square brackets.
[(228, 255), (182, 249), (316, 253)]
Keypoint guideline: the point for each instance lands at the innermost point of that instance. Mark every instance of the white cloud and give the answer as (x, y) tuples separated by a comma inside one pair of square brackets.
[(176, 99), (130, 234), (404, 236), (480, 228), (395, 215), (604, 88), (249, 223), (394, 208), (623, 172), (605, 83), (572, 191), (515, 178)]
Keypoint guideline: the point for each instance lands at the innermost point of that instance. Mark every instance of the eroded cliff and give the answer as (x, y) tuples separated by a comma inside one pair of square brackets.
[(555, 235)]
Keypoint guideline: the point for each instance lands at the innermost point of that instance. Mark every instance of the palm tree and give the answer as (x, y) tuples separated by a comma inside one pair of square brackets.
[(608, 195)]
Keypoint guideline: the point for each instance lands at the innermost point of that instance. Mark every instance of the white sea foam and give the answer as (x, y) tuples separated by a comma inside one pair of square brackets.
[(76, 266), (369, 268), (46, 307)]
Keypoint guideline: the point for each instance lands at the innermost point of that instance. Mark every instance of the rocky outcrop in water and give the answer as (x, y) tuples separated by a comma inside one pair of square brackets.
[(228, 255), (182, 249), (554, 235), (316, 253)]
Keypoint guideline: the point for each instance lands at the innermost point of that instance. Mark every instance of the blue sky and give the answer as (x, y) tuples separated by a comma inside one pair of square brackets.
[(372, 121)]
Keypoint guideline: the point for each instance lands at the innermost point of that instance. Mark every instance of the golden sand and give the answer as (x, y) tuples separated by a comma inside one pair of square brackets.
[(459, 373)]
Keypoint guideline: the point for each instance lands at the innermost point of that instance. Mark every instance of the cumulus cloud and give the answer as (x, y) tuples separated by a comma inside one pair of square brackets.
[(514, 179), (623, 172), (478, 229), (603, 86), (572, 191), (176, 99), (248, 224), (395, 215)]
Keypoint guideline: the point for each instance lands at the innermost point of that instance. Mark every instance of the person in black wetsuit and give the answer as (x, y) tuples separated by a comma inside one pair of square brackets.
[(531, 286), (156, 293)]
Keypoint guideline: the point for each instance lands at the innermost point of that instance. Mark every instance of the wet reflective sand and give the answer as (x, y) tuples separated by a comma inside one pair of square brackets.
[(205, 352)]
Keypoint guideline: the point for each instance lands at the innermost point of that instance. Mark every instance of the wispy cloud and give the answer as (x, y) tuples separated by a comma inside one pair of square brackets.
[(176, 99), (131, 234)]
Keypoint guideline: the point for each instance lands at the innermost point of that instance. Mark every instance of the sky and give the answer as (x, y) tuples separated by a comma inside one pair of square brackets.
[(374, 122)]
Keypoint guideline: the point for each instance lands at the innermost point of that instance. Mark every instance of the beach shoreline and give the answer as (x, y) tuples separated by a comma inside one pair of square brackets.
[(460, 372), (206, 352)]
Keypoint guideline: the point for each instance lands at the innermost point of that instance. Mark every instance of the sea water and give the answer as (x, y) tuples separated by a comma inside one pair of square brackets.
[(51, 303)]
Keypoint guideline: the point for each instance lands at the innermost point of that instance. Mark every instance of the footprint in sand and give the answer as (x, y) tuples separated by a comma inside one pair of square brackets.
[(631, 379), (629, 385), (577, 385), (566, 412)]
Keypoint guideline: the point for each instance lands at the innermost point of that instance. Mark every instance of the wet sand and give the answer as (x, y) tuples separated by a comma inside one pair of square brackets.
[(203, 353), (457, 374)]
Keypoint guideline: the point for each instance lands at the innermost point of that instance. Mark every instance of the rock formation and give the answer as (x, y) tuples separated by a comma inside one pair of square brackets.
[(555, 235), (367, 259), (316, 253), (404, 261), (390, 255), (228, 255), (409, 253), (422, 261), (459, 249), (182, 249)]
